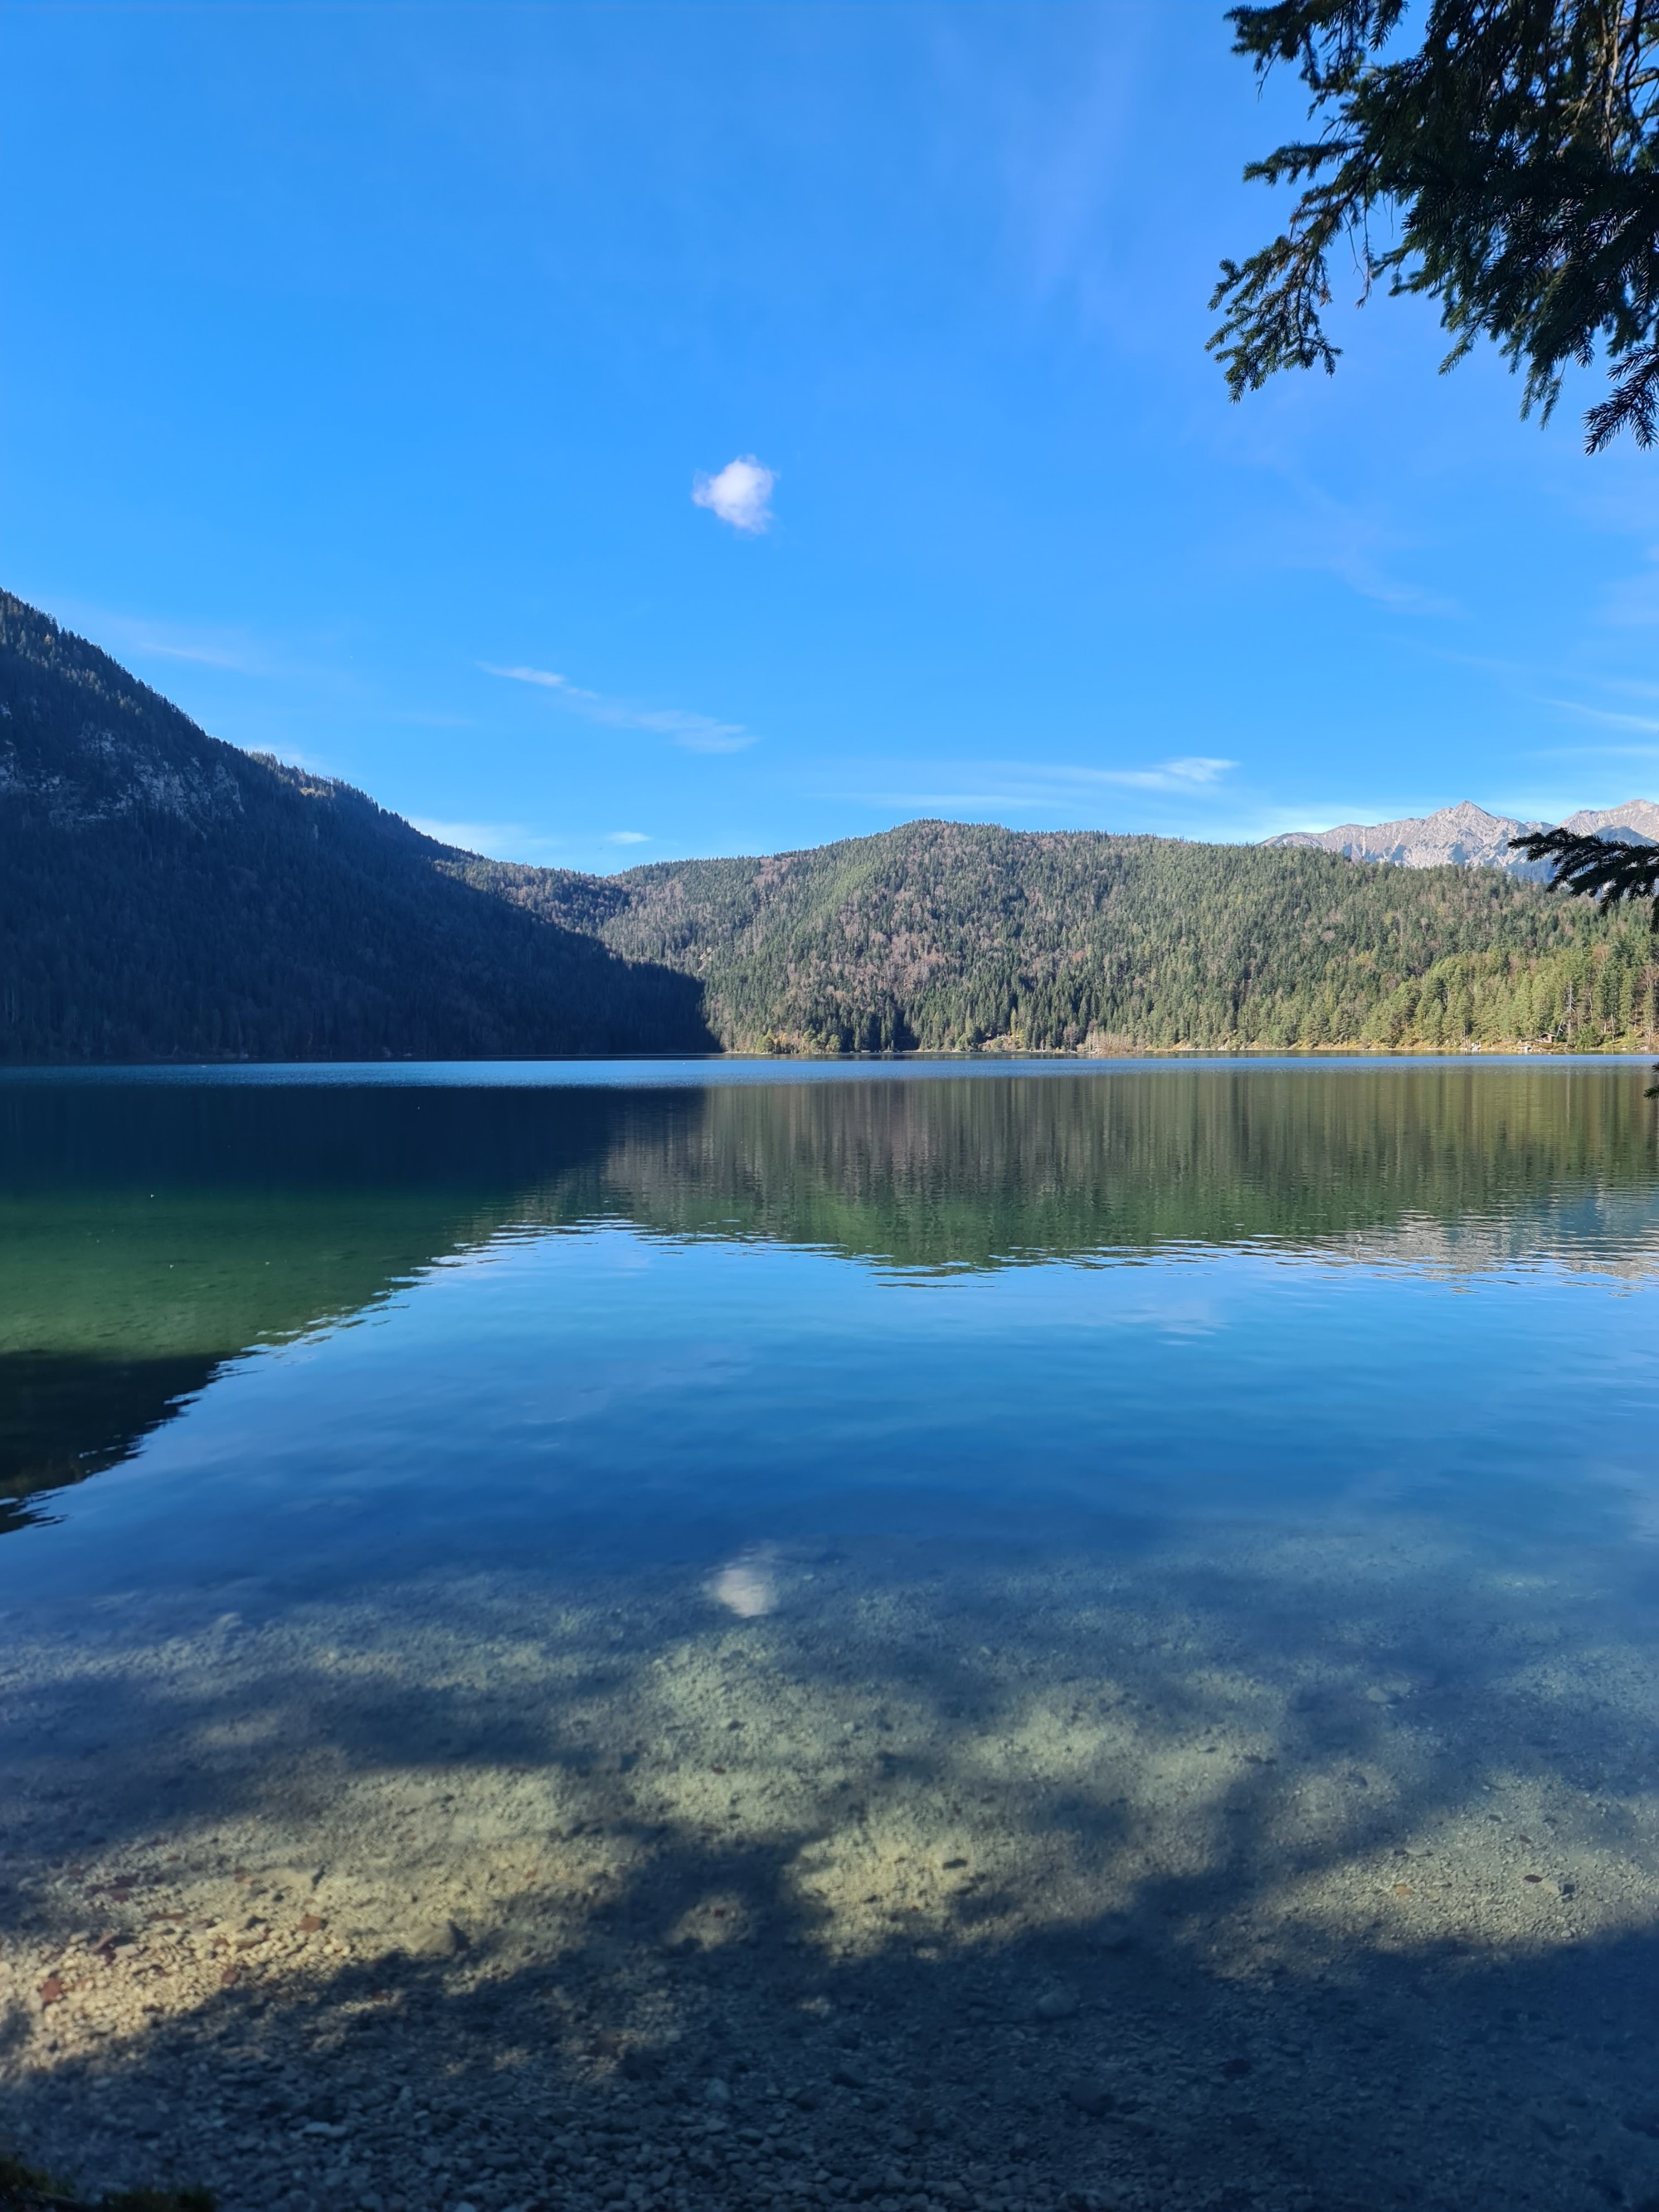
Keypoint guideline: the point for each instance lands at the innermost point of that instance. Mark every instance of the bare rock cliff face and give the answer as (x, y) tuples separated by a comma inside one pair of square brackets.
[(99, 776), (1466, 836), (1637, 819)]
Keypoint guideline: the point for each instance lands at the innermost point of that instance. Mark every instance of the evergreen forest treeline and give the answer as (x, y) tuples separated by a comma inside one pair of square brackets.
[(945, 936), (166, 896)]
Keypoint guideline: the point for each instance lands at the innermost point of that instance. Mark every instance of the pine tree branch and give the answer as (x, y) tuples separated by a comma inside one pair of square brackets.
[(1605, 869), (1516, 145)]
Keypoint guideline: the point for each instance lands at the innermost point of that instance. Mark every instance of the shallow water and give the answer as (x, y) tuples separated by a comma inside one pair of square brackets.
[(1050, 1631)]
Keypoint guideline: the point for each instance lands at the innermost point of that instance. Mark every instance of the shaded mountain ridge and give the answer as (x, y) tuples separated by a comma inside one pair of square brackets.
[(168, 896)]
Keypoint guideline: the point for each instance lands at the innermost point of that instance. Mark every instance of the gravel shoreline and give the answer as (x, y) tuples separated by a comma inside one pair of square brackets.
[(1303, 1873)]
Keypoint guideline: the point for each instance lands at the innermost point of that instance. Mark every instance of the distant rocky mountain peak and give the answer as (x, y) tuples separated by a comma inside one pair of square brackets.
[(1637, 818), (1466, 836)]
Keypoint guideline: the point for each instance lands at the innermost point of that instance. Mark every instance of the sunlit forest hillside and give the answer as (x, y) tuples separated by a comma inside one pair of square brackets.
[(945, 936)]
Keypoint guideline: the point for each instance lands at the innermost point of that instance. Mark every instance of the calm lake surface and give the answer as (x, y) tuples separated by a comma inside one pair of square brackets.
[(687, 1635)]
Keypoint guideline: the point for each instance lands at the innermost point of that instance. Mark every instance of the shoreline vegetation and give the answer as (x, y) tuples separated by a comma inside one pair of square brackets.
[(992, 1049), (1637, 1048)]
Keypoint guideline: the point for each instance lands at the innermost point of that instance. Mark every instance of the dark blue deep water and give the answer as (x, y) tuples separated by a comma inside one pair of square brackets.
[(1211, 1508)]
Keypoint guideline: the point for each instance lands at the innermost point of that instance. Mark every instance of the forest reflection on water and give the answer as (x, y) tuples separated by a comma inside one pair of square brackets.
[(158, 1229)]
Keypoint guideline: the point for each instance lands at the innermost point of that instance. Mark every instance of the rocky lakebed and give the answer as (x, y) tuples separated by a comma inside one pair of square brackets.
[(1294, 1874)]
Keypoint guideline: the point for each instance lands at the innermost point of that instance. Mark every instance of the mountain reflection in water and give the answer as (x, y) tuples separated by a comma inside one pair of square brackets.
[(158, 1229)]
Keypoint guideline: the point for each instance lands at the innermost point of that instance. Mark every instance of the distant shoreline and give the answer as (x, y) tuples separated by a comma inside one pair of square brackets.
[(1171, 1056)]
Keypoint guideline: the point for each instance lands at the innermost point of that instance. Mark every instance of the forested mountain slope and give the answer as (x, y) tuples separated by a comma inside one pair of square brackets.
[(165, 895), (949, 936)]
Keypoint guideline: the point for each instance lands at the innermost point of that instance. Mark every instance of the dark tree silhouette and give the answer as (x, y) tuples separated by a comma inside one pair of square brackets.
[(1606, 869), (1511, 145)]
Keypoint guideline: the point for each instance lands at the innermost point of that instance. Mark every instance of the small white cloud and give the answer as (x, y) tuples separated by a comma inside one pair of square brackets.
[(626, 837), (739, 494), (698, 733)]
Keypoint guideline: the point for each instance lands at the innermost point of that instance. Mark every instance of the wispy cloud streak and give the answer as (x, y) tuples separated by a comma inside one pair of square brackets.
[(1609, 719), (231, 651), (697, 733), (1030, 786)]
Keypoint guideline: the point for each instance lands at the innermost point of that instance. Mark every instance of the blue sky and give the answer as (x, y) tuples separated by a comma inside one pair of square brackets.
[(372, 371)]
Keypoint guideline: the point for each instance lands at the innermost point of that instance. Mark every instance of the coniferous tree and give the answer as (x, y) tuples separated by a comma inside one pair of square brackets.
[(1514, 145)]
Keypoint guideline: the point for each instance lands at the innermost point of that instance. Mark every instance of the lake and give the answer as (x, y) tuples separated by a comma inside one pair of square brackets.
[(688, 1635)]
